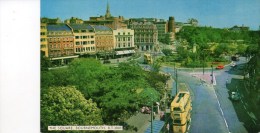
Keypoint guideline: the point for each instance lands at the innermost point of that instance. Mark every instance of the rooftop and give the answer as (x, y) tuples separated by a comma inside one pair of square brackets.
[(81, 27), (101, 28), (58, 27)]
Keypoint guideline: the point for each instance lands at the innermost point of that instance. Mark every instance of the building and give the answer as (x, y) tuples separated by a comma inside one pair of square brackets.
[(239, 28), (51, 20), (104, 39), (162, 29), (145, 35), (108, 20), (84, 39), (171, 28), (124, 42), (74, 20), (60, 41), (44, 43)]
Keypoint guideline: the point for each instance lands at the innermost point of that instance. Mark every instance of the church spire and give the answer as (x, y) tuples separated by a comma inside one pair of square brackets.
[(108, 15)]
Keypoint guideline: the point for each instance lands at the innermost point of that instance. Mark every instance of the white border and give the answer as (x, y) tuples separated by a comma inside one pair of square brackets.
[(19, 66)]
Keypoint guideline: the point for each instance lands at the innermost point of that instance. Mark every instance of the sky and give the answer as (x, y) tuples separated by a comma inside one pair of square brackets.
[(215, 13)]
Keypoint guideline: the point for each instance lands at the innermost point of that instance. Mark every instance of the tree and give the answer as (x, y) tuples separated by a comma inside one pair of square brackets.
[(67, 106)]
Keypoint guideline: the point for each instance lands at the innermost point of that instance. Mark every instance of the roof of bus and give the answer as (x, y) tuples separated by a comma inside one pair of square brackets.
[(181, 99)]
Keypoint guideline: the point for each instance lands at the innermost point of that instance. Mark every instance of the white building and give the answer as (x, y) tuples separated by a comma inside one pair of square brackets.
[(124, 41)]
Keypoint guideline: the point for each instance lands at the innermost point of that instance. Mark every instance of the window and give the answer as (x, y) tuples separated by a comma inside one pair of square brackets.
[(129, 44), (84, 37), (128, 38), (77, 43), (177, 109), (118, 33), (43, 46), (128, 33), (177, 121), (91, 36), (124, 39), (77, 37), (85, 42), (42, 33), (92, 42), (123, 33)]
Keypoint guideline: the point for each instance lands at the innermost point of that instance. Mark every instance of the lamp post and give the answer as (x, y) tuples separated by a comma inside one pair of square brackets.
[(152, 114), (211, 73), (152, 119), (203, 61), (176, 78)]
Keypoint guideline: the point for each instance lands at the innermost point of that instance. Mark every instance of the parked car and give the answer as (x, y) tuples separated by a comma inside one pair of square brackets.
[(233, 64), (234, 96), (220, 67)]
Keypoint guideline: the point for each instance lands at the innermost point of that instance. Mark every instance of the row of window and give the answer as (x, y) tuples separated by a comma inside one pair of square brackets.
[(60, 39), (123, 38), (145, 40), (59, 33), (85, 42), (84, 37), (119, 45), (86, 49), (59, 45), (104, 37), (104, 43), (60, 53), (123, 33), (145, 31)]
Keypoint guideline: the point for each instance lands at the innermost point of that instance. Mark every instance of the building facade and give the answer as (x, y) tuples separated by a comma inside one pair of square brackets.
[(44, 44), (162, 28), (104, 38), (60, 43), (84, 39), (145, 35), (124, 41)]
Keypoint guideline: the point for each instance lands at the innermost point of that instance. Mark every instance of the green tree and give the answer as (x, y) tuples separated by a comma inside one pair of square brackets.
[(67, 106)]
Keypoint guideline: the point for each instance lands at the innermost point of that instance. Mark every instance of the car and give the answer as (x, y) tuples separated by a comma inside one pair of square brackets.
[(234, 96), (233, 64), (220, 67)]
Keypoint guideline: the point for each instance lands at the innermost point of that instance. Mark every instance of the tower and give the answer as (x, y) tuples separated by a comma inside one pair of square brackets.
[(108, 15), (171, 28)]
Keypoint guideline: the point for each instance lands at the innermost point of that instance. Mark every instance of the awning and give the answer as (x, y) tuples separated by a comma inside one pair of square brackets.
[(125, 52), (157, 126)]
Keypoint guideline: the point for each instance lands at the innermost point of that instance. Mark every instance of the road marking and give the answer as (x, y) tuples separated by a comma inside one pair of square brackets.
[(221, 111)]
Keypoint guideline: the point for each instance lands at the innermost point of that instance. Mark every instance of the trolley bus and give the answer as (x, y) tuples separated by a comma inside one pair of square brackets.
[(181, 109), (148, 58)]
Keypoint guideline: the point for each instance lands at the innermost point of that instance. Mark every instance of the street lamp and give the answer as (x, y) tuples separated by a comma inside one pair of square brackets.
[(152, 114), (176, 78), (211, 73)]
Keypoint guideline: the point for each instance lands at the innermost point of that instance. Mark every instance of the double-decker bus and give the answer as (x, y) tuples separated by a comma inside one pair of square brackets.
[(148, 58), (181, 109)]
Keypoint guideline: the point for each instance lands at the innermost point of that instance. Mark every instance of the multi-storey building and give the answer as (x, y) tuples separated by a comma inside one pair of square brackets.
[(162, 29), (84, 39), (145, 35), (104, 38), (44, 46), (124, 41), (74, 20), (51, 20), (60, 43)]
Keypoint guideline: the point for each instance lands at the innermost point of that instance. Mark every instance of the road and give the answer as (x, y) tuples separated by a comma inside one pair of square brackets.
[(212, 110)]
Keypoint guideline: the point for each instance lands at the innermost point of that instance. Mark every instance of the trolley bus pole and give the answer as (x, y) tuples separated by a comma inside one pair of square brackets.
[(176, 82), (152, 119)]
